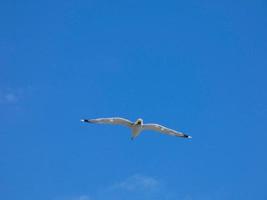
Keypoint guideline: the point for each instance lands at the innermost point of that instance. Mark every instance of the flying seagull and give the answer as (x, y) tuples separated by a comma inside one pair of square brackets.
[(136, 127)]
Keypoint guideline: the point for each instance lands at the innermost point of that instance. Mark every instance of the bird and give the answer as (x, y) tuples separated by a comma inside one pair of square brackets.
[(137, 127)]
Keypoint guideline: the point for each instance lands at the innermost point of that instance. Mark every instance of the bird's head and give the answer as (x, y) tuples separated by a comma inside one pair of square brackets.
[(139, 121)]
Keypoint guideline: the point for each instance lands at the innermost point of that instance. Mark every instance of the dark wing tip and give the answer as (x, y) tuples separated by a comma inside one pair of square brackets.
[(187, 136), (86, 120)]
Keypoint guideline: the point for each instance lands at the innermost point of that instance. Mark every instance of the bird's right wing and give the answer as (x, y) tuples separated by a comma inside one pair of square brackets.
[(165, 130), (112, 120)]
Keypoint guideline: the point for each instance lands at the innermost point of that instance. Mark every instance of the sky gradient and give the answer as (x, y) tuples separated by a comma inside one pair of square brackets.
[(195, 66)]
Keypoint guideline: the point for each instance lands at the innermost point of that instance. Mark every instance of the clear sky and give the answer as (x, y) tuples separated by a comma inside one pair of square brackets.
[(195, 66)]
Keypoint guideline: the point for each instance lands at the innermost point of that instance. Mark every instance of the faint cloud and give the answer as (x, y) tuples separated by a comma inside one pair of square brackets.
[(82, 197), (11, 97), (188, 197), (131, 188), (8, 97), (78, 197), (141, 187), (137, 182), (134, 187)]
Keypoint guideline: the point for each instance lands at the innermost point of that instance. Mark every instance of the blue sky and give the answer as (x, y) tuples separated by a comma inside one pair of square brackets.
[(195, 66)]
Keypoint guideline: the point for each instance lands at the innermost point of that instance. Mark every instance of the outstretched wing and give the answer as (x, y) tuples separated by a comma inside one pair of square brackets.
[(112, 120), (162, 129)]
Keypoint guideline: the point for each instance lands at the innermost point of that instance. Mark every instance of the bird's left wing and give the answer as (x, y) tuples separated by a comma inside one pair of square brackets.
[(112, 120), (162, 129)]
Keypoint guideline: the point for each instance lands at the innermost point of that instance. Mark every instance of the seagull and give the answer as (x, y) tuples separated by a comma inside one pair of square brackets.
[(137, 127)]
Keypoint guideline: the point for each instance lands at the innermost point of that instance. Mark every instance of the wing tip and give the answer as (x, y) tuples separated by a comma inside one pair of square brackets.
[(187, 136), (85, 120)]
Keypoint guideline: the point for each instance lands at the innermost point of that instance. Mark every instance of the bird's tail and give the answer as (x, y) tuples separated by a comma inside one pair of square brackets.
[(135, 133)]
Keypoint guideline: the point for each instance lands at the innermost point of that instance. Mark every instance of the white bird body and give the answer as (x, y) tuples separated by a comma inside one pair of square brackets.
[(137, 127)]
